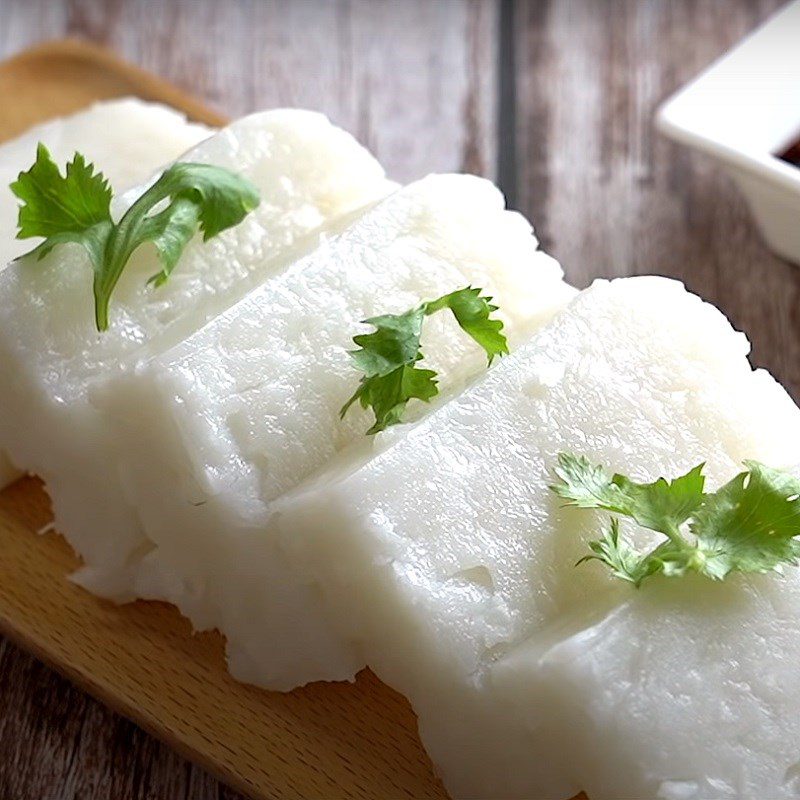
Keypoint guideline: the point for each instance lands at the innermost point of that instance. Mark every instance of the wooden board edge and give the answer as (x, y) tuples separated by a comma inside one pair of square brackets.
[(151, 86), (85, 683)]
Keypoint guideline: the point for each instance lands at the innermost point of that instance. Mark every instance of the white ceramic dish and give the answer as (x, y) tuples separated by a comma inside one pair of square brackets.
[(744, 111)]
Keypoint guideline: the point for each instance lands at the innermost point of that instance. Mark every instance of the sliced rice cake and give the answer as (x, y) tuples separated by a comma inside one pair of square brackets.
[(445, 553), (222, 425), (126, 139), (690, 690), (312, 177)]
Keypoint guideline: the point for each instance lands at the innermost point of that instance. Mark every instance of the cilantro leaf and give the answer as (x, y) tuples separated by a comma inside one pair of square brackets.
[(394, 342), (388, 394), (473, 314), (587, 486), (170, 231), (54, 204), (76, 207), (748, 525), (389, 355), (624, 561), (654, 505)]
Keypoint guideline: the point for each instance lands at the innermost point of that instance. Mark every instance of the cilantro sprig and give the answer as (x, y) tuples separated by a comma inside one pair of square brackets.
[(748, 525), (76, 207), (389, 356)]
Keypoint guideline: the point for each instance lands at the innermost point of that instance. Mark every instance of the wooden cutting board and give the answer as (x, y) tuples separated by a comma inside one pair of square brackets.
[(324, 741)]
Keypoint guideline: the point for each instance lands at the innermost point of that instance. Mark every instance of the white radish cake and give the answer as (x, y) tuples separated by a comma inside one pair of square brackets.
[(127, 139), (312, 177), (688, 691), (238, 414), (446, 563)]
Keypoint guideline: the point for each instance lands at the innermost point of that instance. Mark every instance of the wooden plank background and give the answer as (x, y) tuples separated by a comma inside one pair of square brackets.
[(554, 99)]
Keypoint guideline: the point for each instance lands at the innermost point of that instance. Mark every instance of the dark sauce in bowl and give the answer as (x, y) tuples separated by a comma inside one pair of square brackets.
[(791, 155)]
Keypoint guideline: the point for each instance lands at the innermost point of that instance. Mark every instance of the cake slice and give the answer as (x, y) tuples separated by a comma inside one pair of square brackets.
[(312, 176), (690, 690), (221, 426), (127, 139), (448, 565)]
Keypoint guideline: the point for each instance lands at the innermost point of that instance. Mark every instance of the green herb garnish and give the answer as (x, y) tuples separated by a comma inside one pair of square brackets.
[(748, 525), (76, 207), (388, 357)]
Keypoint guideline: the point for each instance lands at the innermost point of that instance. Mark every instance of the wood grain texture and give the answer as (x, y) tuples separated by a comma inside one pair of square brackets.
[(414, 80), (607, 194)]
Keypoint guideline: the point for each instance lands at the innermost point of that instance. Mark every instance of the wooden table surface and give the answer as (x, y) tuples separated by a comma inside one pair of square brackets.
[(554, 100)]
